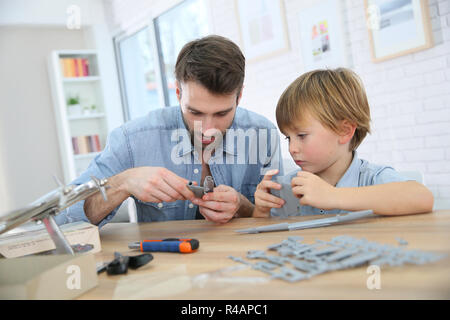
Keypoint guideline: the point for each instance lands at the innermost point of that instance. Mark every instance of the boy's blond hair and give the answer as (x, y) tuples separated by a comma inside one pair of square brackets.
[(330, 96)]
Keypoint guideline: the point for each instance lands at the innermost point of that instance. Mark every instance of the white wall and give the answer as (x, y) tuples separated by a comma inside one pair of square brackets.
[(29, 31), (29, 145), (410, 102), (409, 95)]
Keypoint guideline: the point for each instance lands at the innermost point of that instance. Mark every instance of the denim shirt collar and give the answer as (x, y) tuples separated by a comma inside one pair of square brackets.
[(182, 126)]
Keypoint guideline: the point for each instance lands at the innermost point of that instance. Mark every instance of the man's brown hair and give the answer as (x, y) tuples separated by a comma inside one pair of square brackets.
[(330, 96), (214, 62)]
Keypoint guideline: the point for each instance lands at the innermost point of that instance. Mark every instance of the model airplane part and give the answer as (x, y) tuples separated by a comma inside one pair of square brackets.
[(291, 202), (51, 204), (310, 223), (199, 192), (300, 261)]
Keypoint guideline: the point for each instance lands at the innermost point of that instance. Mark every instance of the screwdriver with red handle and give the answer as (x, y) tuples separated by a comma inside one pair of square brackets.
[(166, 245)]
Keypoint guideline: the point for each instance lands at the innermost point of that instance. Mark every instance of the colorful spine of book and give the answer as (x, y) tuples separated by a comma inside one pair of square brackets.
[(74, 67), (85, 66), (67, 69), (82, 144), (63, 68), (86, 144), (80, 68), (91, 144), (76, 149), (97, 143)]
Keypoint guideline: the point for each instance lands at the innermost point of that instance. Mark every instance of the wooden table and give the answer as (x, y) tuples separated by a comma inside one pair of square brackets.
[(206, 274)]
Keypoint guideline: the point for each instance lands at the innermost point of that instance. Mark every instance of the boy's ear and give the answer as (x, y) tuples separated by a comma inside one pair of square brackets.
[(346, 131)]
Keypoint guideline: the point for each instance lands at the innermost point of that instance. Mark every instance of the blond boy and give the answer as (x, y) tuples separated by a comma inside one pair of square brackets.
[(324, 115)]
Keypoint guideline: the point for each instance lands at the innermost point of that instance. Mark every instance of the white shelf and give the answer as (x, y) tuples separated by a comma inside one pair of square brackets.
[(87, 116), (81, 79), (85, 155), (90, 91)]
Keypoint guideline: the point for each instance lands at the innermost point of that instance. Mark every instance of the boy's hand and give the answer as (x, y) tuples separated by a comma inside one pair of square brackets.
[(314, 191), (264, 200)]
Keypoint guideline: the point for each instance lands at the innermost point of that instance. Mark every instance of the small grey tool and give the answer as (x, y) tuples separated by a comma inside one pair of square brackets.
[(310, 223), (208, 186)]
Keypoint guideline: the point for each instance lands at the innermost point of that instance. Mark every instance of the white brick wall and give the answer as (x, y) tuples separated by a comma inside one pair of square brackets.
[(409, 96), (410, 103)]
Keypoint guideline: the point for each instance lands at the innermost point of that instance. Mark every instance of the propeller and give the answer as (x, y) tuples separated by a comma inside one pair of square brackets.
[(101, 186)]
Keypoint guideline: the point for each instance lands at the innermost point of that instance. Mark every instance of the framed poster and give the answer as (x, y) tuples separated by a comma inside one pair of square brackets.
[(397, 27), (263, 28), (322, 36)]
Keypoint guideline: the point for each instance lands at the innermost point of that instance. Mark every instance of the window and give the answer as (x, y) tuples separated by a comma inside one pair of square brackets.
[(137, 74), (146, 58), (174, 28)]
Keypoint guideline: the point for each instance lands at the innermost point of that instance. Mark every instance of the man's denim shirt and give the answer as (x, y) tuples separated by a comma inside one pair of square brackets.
[(160, 139)]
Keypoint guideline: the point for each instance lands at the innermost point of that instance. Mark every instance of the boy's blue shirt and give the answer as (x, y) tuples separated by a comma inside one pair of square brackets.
[(360, 173), (160, 139)]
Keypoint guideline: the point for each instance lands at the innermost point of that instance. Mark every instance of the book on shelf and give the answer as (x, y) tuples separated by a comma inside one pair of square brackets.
[(74, 67), (86, 144)]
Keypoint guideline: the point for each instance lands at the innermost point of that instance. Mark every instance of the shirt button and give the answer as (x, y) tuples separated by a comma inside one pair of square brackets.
[(196, 170), (160, 205), (191, 205)]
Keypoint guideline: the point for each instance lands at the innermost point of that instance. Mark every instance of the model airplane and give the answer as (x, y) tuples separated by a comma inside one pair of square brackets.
[(51, 204)]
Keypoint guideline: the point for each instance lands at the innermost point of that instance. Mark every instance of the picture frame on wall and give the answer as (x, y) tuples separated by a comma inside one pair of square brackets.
[(397, 27), (322, 36), (262, 28)]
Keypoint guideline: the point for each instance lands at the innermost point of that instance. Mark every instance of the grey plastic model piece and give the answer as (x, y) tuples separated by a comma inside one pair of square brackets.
[(257, 266), (240, 260), (401, 241), (265, 265), (290, 275), (341, 252), (292, 203), (358, 259), (314, 223), (277, 260), (341, 255), (199, 192), (302, 265), (285, 252), (324, 251), (274, 246), (295, 238), (256, 254)]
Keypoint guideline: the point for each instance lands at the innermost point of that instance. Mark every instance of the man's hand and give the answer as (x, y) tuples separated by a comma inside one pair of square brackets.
[(314, 191), (155, 184), (220, 205)]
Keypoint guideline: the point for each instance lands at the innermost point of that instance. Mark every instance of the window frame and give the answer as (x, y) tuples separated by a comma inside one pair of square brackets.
[(149, 22)]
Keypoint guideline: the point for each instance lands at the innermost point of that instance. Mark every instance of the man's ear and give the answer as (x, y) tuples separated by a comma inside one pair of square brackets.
[(346, 131), (178, 90)]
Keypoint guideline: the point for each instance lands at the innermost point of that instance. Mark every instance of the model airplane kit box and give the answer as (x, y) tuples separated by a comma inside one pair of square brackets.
[(47, 277), (32, 239)]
